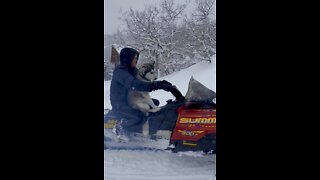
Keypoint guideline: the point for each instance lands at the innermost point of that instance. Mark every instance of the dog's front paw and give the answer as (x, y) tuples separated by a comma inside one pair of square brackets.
[(156, 109)]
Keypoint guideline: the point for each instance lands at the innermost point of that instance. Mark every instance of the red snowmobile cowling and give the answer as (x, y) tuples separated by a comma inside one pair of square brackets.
[(195, 128)]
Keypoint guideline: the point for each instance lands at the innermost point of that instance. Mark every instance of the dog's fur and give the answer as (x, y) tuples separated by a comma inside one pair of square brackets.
[(142, 100)]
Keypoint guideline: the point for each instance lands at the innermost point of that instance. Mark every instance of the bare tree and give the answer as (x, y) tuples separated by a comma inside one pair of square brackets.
[(154, 31), (202, 28), (169, 37)]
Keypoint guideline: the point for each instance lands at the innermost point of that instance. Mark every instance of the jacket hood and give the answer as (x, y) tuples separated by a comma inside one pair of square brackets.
[(127, 55)]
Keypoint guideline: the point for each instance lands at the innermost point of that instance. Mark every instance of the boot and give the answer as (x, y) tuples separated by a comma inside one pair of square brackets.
[(121, 133)]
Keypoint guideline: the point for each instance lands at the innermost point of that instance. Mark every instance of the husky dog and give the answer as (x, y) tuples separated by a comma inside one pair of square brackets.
[(142, 100)]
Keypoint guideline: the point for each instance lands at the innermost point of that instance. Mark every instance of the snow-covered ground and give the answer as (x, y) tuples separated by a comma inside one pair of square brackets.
[(150, 165), (163, 165)]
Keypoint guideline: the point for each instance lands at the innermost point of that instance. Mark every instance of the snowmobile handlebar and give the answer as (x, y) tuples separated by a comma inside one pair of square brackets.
[(176, 93)]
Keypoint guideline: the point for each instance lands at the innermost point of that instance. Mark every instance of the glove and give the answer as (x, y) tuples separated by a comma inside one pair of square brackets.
[(174, 91), (165, 85), (166, 82)]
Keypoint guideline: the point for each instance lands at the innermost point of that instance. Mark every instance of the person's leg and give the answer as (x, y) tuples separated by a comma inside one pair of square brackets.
[(132, 120)]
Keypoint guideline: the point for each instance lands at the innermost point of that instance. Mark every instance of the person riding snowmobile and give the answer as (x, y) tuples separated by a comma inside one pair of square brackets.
[(124, 80)]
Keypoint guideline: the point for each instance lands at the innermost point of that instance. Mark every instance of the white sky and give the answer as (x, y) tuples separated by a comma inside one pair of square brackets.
[(112, 11)]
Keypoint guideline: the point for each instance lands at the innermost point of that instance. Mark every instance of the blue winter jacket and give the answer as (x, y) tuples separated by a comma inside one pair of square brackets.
[(124, 80)]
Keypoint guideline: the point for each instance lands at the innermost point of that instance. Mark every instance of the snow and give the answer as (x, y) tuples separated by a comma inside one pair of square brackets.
[(149, 165), (204, 72), (164, 165)]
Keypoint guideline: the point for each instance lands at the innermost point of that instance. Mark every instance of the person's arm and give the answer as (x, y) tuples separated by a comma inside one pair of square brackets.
[(129, 82)]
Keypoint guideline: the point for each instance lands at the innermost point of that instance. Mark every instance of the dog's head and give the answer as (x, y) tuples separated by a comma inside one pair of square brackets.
[(147, 72)]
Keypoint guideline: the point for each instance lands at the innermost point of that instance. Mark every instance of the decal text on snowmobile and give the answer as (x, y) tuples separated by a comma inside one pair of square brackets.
[(198, 120), (189, 133)]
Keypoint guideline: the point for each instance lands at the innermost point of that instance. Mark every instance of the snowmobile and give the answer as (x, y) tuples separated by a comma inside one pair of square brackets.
[(192, 121)]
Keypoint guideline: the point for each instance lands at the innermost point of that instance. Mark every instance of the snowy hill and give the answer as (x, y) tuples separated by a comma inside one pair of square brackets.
[(162, 165)]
